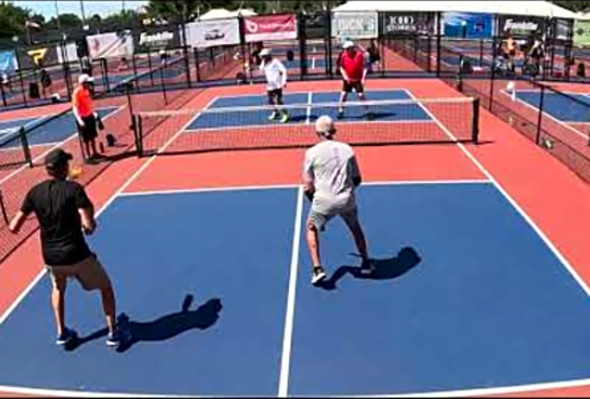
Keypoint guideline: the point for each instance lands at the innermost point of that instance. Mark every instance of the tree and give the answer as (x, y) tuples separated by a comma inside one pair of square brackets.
[(574, 6), (66, 21), (12, 19), (178, 10)]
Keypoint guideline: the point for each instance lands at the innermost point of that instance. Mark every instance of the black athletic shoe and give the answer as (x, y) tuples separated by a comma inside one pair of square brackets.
[(318, 275), (367, 267)]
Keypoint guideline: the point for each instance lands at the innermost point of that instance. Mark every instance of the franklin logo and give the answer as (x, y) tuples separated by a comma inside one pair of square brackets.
[(160, 38), (510, 24)]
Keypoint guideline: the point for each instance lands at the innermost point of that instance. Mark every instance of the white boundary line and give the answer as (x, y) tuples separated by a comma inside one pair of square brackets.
[(290, 312), (263, 96), (41, 156), (530, 388), (536, 110), (19, 148), (517, 207), (294, 186)]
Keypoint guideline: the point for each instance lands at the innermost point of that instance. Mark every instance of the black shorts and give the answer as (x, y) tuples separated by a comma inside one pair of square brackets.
[(275, 94), (89, 131), (347, 87)]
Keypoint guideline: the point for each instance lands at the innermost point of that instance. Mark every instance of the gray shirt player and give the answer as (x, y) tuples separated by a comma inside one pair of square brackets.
[(332, 168)]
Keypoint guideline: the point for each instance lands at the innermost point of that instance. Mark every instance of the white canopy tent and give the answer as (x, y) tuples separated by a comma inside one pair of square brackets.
[(219, 13), (530, 8)]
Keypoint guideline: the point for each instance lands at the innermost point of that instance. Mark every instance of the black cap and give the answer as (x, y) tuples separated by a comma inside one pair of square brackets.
[(57, 157)]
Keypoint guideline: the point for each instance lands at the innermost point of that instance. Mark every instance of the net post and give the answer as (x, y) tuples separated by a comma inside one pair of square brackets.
[(540, 116), (197, 63), (302, 46), (493, 72), (3, 209), (185, 51), (105, 73), (438, 43), (26, 148), (475, 121), (162, 81), (3, 94), (139, 128)]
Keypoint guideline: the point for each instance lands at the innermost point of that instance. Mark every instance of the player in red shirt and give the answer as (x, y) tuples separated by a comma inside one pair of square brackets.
[(354, 72)]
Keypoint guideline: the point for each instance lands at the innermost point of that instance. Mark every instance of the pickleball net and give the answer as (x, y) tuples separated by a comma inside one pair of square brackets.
[(390, 122)]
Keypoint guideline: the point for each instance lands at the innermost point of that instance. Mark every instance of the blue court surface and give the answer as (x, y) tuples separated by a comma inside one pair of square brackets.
[(466, 295), (573, 109), (313, 104), (52, 132)]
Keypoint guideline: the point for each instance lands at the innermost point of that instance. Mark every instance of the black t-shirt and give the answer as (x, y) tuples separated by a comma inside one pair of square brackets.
[(56, 204)]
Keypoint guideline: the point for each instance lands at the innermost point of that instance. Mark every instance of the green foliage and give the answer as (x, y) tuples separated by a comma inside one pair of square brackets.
[(66, 21), (573, 5)]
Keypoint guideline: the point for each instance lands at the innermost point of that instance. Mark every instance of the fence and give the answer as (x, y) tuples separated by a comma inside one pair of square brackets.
[(405, 44), (58, 131), (543, 112)]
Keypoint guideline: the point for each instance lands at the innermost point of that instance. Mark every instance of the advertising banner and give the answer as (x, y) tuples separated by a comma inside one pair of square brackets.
[(38, 56), (157, 38), (467, 25), (563, 29), (355, 25), (404, 23), (522, 26), (7, 61), (270, 27), (112, 44), (70, 52), (215, 32)]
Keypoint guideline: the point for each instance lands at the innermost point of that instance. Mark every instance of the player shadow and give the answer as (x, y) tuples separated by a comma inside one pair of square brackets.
[(161, 329), (357, 115), (385, 269)]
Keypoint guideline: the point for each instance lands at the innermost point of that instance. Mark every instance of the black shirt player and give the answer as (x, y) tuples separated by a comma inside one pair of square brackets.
[(65, 214)]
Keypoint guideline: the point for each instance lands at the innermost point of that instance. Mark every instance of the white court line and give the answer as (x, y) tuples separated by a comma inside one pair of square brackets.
[(82, 394), (293, 186), (41, 156), (290, 312), (516, 206), (536, 110), (19, 148), (305, 92), (530, 388)]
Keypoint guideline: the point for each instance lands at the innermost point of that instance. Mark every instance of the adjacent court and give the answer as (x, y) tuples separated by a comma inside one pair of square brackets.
[(50, 129)]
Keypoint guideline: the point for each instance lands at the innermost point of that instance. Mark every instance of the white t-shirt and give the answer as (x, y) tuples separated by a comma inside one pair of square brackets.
[(276, 74), (331, 166)]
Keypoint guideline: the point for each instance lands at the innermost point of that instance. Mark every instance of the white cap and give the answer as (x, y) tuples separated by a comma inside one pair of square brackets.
[(85, 78), (347, 44), (325, 126), (264, 52)]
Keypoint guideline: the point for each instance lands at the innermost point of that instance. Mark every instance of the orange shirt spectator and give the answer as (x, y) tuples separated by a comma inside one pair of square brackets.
[(82, 101)]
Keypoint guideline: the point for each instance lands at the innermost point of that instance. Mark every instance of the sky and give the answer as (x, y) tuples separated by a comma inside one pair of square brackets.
[(47, 8)]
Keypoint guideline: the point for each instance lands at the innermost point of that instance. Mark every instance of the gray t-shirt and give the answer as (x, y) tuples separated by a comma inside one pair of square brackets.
[(332, 166)]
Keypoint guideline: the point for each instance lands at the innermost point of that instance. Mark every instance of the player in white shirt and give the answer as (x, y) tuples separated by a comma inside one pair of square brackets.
[(331, 175), (276, 80)]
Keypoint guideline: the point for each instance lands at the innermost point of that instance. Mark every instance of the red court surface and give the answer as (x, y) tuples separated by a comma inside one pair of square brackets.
[(548, 193)]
